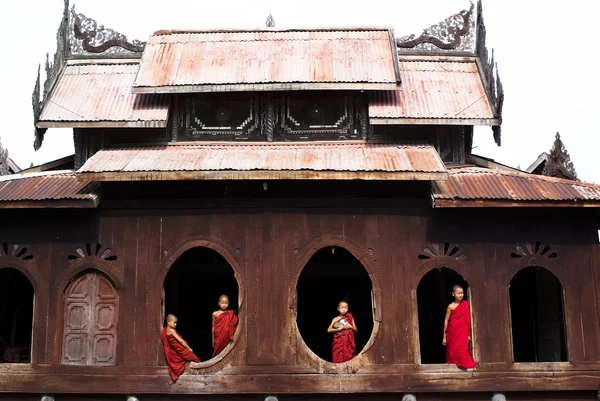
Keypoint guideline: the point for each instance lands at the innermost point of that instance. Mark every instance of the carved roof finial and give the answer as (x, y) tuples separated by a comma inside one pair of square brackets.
[(270, 22), (559, 162)]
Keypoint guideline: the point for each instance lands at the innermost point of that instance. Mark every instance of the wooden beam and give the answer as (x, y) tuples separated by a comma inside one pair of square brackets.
[(415, 382), (288, 86), (101, 124), (434, 121), (477, 203), (261, 175), (52, 204)]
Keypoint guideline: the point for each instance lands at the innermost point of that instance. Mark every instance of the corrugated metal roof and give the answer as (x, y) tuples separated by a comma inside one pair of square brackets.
[(476, 183), (269, 157), (102, 93), (434, 89), (46, 186), (198, 61)]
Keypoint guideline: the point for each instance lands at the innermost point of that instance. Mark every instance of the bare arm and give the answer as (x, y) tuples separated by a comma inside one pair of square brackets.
[(330, 329), (181, 340), (448, 312)]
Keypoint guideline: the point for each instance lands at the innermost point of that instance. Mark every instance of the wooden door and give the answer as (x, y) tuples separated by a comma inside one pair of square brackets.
[(91, 310)]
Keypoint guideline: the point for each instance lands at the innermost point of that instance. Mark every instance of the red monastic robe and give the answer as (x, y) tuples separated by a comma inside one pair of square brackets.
[(225, 326), (457, 337), (177, 355), (344, 347)]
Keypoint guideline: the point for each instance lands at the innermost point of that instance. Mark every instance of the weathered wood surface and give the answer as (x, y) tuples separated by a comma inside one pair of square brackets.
[(268, 246)]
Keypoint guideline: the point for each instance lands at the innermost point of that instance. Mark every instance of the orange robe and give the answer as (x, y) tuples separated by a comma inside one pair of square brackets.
[(457, 337), (344, 347), (225, 326), (177, 355)]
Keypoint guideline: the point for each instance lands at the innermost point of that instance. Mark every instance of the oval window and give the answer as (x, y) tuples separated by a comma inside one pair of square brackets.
[(332, 275)]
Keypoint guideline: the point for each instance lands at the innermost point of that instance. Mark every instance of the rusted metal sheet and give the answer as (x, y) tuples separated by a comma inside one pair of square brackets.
[(433, 89), (180, 61), (47, 186), (100, 94), (476, 183), (270, 161)]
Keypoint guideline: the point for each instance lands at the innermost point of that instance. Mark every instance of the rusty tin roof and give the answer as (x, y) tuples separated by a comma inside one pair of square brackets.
[(235, 161), (99, 95), (265, 60), (53, 189), (435, 90), (475, 186)]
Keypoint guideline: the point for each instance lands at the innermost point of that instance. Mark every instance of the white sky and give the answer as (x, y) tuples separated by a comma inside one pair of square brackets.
[(546, 53)]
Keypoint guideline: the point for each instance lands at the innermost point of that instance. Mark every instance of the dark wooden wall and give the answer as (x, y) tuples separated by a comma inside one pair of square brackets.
[(267, 244)]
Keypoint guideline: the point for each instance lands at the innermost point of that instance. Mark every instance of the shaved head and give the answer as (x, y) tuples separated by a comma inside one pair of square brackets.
[(171, 317)]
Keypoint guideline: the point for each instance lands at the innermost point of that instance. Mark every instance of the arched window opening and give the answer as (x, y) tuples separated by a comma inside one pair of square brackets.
[(331, 275), (16, 316), (191, 292), (537, 316), (434, 294), (91, 317)]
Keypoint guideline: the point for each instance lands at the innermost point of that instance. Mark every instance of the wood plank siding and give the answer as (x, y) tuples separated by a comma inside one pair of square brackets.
[(131, 244)]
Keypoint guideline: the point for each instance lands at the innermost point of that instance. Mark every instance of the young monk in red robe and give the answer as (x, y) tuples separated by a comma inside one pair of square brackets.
[(457, 331), (224, 323), (343, 327), (177, 350)]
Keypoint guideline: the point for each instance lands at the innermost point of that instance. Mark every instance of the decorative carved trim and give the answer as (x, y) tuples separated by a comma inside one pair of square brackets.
[(454, 33), (538, 249), (493, 84), (53, 70), (363, 118), (88, 38), (94, 251), (270, 22), (445, 250), (15, 251)]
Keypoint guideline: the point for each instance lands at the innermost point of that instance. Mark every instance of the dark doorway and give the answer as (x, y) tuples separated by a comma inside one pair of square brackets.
[(192, 289), (537, 316), (16, 316), (434, 294), (331, 275)]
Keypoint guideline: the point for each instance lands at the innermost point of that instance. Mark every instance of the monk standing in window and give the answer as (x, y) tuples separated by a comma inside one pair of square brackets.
[(343, 328), (177, 350), (224, 324), (457, 331)]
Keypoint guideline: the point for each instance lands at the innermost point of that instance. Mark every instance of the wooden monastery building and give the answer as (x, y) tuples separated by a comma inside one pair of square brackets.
[(289, 169)]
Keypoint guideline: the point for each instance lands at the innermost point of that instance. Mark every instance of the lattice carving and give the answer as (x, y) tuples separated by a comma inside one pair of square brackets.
[(15, 251), (538, 249), (455, 33), (446, 250), (88, 38), (93, 250), (222, 116), (328, 116)]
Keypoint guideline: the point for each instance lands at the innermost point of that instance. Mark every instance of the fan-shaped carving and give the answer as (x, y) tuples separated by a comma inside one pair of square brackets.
[(93, 250), (16, 251), (446, 250), (537, 249)]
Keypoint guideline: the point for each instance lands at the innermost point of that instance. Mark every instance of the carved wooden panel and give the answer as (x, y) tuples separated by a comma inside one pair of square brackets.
[(90, 321), (317, 115), (215, 117)]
